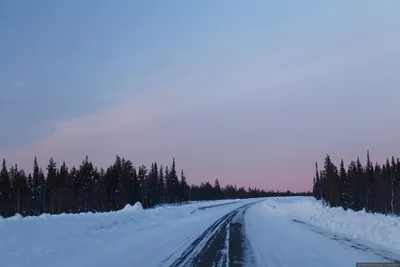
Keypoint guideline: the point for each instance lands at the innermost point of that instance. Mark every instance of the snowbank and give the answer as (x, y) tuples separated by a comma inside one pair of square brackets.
[(376, 229), (48, 237)]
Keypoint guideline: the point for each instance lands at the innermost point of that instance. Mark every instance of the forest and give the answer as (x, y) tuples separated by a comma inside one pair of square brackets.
[(87, 188), (370, 187)]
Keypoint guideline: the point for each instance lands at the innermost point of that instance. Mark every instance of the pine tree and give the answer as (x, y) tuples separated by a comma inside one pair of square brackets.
[(332, 182), (168, 186), (370, 184), (155, 194), (183, 188), (42, 192), (116, 180), (174, 183), (51, 186), (31, 197), (103, 190), (317, 184), (5, 192), (19, 190), (35, 190), (142, 174), (217, 188), (95, 201), (314, 190), (13, 176), (397, 188), (135, 186), (360, 186), (387, 180), (393, 179), (61, 204), (88, 189), (377, 199), (125, 183), (161, 185), (24, 194), (86, 177), (369, 187), (344, 201), (351, 176)]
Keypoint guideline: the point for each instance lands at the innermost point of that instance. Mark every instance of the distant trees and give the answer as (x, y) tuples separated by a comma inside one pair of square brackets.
[(374, 188), (88, 189)]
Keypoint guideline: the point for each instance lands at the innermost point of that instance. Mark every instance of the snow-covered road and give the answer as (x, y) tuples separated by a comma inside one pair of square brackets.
[(277, 241), (254, 232)]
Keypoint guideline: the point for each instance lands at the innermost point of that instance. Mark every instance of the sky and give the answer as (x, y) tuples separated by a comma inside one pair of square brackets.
[(249, 92)]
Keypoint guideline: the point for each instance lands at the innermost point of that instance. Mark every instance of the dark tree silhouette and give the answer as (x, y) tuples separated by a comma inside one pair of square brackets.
[(374, 188), (89, 189)]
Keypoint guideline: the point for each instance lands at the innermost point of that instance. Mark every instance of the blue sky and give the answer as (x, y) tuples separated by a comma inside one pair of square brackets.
[(135, 64)]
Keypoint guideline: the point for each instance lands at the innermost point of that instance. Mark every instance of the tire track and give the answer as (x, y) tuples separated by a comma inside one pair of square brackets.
[(222, 244), (207, 234)]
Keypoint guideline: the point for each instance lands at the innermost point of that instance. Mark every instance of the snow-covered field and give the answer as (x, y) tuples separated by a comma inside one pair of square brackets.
[(374, 230), (281, 231)]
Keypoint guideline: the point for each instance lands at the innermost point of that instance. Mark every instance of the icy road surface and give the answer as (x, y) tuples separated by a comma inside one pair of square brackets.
[(255, 232)]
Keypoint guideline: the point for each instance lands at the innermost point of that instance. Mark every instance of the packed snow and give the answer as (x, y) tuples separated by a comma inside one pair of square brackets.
[(97, 239), (280, 231), (376, 230), (277, 241)]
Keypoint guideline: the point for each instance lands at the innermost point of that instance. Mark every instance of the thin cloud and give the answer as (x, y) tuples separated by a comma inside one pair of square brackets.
[(195, 126), (19, 84)]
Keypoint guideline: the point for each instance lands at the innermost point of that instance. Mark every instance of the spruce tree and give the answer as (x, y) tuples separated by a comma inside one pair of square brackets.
[(174, 183), (397, 188), (142, 177), (183, 188), (387, 180), (42, 192), (369, 184), (317, 184), (153, 185), (332, 182), (135, 186), (360, 186), (20, 190), (88, 189), (344, 187), (86, 176), (51, 186), (351, 176), (168, 186), (369, 187), (393, 180), (125, 183), (35, 190), (5, 192), (217, 188), (161, 185), (61, 205), (378, 198)]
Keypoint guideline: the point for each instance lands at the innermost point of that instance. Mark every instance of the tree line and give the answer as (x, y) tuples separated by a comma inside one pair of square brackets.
[(91, 189), (372, 187)]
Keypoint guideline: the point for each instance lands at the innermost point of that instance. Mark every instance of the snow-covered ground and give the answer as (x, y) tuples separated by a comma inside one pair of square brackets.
[(133, 236), (374, 230), (286, 231)]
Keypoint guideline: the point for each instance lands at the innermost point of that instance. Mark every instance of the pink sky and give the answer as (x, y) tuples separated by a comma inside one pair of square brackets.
[(248, 98), (262, 132)]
